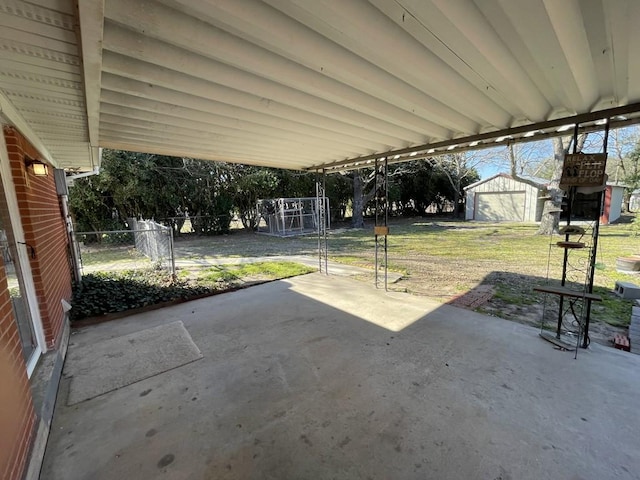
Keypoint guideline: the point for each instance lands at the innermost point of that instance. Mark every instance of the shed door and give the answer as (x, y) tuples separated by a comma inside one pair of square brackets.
[(500, 207)]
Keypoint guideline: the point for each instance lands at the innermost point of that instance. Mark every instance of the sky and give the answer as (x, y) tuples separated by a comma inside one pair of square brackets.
[(495, 160)]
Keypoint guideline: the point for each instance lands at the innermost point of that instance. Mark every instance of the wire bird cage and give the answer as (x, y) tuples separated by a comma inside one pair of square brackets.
[(285, 217)]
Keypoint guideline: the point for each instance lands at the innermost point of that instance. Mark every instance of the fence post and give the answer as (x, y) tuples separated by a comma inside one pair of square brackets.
[(172, 254)]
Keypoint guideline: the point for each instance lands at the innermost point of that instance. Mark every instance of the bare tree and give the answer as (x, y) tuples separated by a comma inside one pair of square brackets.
[(458, 167), (623, 164), (553, 194), (364, 181)]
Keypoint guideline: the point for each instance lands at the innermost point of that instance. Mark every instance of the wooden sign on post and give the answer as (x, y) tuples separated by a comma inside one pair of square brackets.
[(583, 170)]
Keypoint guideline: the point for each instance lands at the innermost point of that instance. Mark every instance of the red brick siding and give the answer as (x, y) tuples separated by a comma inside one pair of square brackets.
[(17, 416), (45, 231)]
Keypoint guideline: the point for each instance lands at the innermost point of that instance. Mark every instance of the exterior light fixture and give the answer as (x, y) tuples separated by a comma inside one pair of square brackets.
[(38, 168)]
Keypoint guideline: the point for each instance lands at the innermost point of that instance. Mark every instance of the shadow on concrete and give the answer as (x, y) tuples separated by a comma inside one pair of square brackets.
[(325, 377)]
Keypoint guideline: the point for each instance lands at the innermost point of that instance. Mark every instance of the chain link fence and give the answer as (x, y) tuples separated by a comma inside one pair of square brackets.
[(146, 245)]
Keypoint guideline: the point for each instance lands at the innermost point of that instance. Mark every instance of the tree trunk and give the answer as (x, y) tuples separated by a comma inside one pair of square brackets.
[(550, 220), (456, 202), (357, 220), (550, 215)]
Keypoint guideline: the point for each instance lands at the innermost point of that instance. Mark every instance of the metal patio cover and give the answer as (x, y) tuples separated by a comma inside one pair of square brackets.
[(305, 83)]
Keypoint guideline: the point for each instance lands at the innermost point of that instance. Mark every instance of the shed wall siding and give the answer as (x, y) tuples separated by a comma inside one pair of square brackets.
[(503, 184), (615, 210)]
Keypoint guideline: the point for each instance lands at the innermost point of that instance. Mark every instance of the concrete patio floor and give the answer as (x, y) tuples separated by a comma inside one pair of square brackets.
[(321, 377)]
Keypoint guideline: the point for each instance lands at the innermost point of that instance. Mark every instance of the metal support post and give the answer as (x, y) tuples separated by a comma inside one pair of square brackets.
[(325, 216), (386, 220), (381, 228), (594, 251), (375, 229), (321, 216), (173, 255), (570, 197)]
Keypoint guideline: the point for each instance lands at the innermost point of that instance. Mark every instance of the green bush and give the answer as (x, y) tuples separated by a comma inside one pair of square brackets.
[(102, 293)]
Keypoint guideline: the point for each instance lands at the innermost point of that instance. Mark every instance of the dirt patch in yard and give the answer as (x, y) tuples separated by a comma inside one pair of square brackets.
[(507, 295)]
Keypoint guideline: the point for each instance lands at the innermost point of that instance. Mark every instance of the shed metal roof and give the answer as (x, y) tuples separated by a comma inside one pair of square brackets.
[(311, 84), (540, 182)]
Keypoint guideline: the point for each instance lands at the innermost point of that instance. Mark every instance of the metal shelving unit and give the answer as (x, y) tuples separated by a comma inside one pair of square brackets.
[(567, 305)]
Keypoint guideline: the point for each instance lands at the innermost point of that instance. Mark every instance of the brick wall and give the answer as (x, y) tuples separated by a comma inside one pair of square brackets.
[(45, 231), (17, 417)]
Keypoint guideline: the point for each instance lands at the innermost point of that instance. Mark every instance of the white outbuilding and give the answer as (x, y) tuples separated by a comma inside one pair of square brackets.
[(502, 198)]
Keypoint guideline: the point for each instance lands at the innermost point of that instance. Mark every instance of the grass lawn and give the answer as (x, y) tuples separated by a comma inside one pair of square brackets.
[(234, 275), (444, 258), (111, 254), (441, 259)]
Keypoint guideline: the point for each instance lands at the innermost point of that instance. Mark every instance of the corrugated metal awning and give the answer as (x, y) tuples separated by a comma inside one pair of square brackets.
[(306, 84)]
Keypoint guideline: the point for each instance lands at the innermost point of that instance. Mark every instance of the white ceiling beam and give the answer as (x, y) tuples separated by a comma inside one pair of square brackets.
[(633, 52), (618, 29), (196, 36), (495, 15), (211, 133), (139, 110), (458, 33), (127, 118), (371, 35), (273, 31), (153, 82), (535, 30), (130, 44), (212, 139), (187, 104), (91, 15), (160, 149), (568, 24), (292, 154)]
